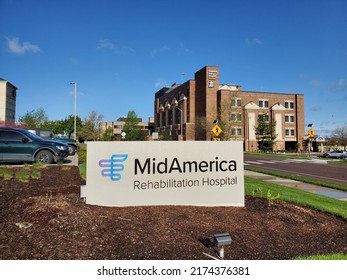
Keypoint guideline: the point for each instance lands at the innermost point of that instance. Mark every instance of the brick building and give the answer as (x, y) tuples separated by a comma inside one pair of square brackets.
[(189, 111)]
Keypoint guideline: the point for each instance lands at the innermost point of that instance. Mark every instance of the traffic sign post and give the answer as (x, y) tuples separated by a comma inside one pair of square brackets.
[(123, 134), (217, 130), (311, 133)]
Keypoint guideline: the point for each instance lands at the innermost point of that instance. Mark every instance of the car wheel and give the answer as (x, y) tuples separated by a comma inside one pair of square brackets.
[(72, 150), (44, 157)]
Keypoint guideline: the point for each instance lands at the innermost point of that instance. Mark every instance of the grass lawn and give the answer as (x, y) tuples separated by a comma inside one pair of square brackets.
[(299, 178)]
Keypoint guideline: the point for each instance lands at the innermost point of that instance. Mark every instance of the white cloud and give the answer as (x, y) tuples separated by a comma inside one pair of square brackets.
[(109, 45), (254, 41), (258, 41), (316, 108), (315, 83), (15, 47), (160, 83), (341, 84), (105, 44), (164, 48), (182, 49)]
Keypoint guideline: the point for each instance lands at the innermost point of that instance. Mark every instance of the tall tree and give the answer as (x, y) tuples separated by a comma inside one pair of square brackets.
[(340, 136), (132, 129), (90, 127), (265, 133), (68, 124), (34, 118), (108, 134)]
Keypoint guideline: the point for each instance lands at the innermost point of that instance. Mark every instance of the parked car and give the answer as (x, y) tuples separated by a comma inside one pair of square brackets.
[(335, 154), (342, 156), (20, 145), (49, 135)]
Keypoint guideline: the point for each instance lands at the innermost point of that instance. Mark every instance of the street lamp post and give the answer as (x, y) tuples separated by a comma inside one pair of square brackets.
[(181, 121), (75, 97)]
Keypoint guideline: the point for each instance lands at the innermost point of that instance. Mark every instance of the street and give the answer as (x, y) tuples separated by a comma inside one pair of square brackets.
[(315, 169)]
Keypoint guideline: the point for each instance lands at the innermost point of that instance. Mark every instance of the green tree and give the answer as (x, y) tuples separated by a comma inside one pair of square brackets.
[(265, 133), (90, 127), (34, 118), (108, 135), (132, 129), (165, 136), (56, 126), (68, 125)]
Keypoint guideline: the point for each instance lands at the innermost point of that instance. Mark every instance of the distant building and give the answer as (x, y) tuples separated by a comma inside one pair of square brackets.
[(190, 110), (117, 126), (8, 94)]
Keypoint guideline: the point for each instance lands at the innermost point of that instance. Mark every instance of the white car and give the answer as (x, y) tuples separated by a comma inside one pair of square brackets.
[(335, 154)]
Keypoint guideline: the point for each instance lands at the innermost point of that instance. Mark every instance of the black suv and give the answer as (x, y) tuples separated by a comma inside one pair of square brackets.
[(20, 145), (49, 135)]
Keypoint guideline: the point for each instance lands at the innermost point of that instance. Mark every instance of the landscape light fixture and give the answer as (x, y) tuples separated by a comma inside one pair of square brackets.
[(220, 240)]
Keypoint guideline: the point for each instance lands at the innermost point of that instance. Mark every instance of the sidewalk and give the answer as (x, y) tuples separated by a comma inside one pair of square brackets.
[(299, 185)]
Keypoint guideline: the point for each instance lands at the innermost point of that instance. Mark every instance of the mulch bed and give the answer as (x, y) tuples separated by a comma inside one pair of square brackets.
[(46, 219)]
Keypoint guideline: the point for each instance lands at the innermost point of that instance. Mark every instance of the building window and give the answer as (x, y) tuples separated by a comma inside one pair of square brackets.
[(263, 117), (235, 117), (290, 132), (236, 102), (289, 118), (236, 131), (263, 103), (289, 104)]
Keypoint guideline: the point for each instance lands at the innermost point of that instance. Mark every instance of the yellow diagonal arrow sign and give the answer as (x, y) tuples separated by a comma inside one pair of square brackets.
[(217, 130)]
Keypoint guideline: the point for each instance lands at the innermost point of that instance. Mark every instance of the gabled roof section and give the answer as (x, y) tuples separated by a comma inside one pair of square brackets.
[(251, 106), (278, 107), (229, 87)]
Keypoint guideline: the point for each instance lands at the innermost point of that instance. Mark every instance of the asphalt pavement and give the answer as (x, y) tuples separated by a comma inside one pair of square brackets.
[(71, 160)]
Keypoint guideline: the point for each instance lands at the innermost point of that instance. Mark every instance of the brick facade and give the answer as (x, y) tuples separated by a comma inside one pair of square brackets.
[(196, 104)]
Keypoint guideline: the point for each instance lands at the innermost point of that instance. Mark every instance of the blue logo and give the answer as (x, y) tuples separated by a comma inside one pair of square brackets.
[(113, 166)]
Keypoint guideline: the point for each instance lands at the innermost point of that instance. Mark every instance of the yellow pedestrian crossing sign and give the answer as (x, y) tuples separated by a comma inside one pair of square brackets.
[(217, 130), (216, 139), (311, 132)]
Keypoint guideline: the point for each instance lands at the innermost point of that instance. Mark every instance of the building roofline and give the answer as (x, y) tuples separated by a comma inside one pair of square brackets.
[(3, 80), (265, 92)]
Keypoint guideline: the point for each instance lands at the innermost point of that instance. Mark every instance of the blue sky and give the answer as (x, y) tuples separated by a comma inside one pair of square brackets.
[(121, 52)]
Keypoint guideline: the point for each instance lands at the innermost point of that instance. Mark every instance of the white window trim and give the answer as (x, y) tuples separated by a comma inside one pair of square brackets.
[(261, 99), (290, 130), (289, 102), (236, 99), (289, 118)]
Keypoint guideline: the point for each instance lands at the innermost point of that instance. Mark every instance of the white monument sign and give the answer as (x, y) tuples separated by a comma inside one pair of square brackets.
[(201, 173)]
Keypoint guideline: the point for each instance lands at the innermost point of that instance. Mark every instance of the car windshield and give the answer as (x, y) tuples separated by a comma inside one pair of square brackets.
[(33, 136)]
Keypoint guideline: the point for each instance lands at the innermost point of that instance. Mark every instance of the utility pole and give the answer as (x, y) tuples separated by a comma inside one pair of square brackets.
[(75, 99)]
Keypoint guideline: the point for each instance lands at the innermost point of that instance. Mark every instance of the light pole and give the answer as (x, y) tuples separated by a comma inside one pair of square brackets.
[(75, 97), (181, 121)]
